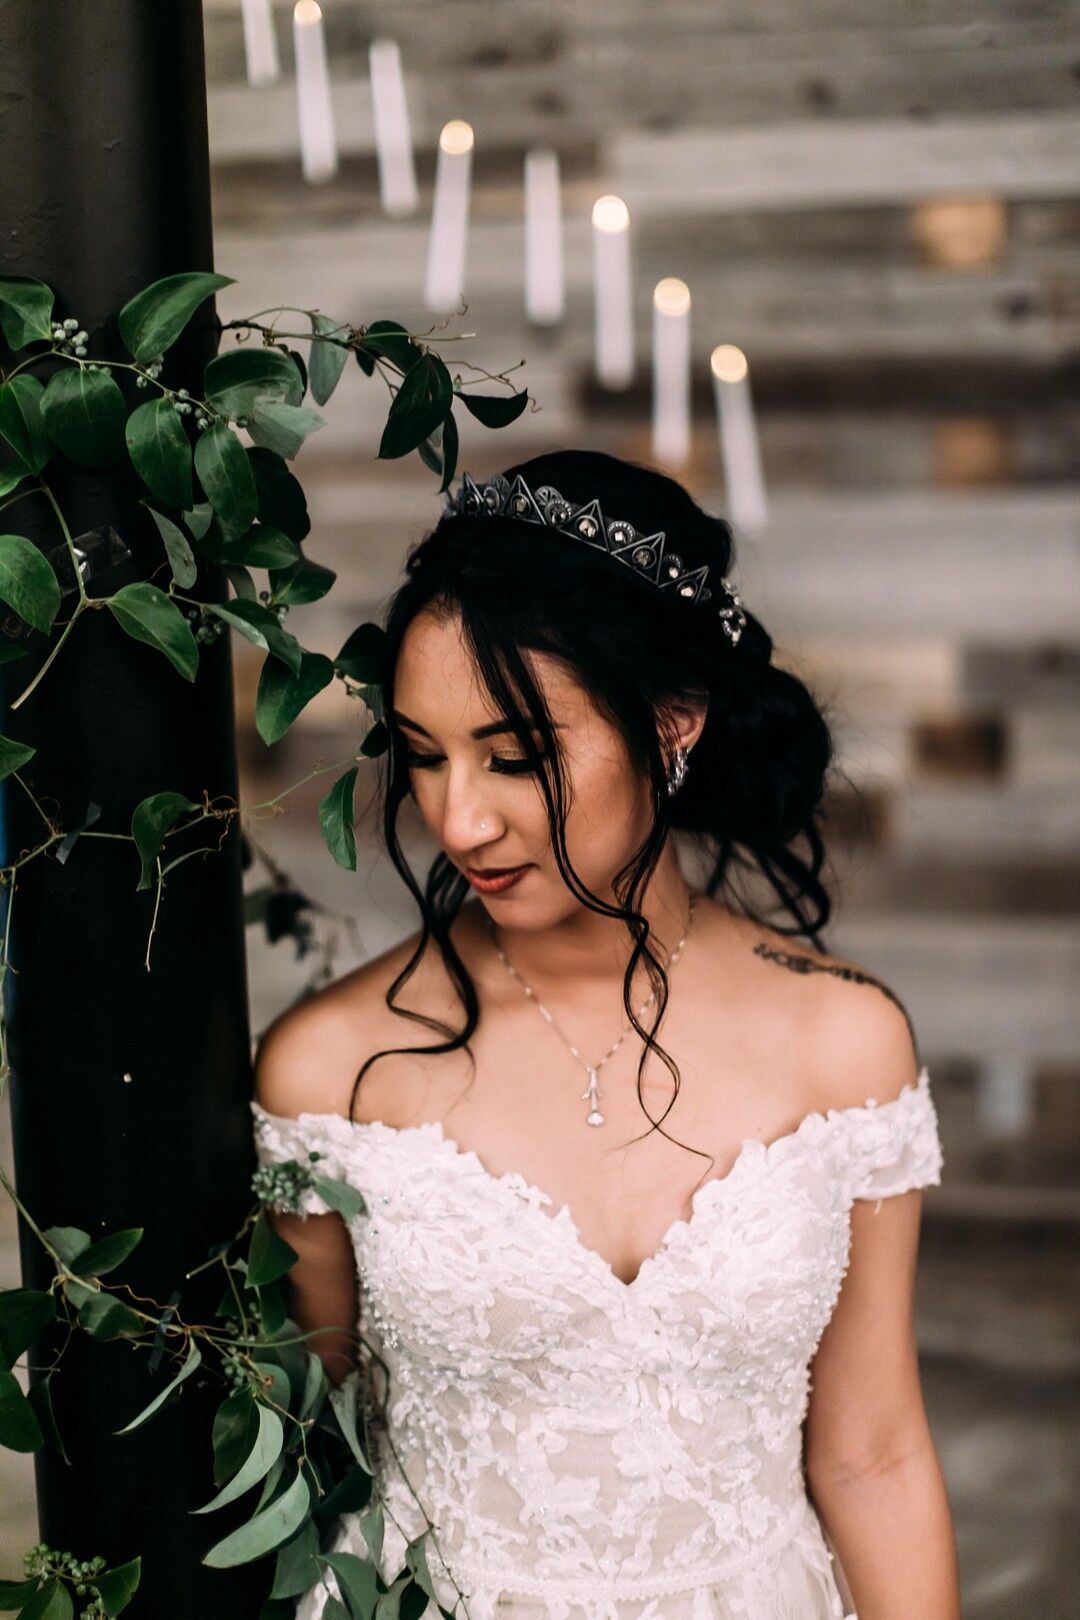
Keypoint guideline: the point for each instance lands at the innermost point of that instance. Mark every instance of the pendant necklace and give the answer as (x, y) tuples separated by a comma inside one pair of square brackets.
[(592, 1093)]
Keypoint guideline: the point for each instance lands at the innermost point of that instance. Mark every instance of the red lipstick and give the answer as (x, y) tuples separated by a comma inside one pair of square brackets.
[(495, 882)]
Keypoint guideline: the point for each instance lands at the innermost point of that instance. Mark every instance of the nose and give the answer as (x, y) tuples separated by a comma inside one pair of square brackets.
[(468, 818)]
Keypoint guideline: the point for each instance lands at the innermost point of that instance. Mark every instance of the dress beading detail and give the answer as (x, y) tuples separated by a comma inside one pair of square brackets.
[(588, 1448)]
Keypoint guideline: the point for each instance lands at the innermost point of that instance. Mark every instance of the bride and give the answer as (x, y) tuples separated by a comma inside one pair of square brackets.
[(645, 1306)]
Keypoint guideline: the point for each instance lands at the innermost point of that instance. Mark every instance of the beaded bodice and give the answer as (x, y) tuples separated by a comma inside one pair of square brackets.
[(568, 1432)]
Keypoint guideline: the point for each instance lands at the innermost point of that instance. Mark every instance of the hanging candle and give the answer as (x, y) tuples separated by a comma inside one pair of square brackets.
[(738, 438), (444, 282), (612, 292), (544, 276), (260, 42), (671, 371), (393, 137), (318, 148)]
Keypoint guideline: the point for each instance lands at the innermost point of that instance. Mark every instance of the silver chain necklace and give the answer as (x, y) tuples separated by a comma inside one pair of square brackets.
[(592, 1092)]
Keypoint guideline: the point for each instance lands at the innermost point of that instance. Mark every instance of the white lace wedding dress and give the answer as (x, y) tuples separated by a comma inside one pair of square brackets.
[(589, 1449)]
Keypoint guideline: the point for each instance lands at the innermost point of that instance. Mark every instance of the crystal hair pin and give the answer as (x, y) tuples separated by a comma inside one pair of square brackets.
[(644, 553)]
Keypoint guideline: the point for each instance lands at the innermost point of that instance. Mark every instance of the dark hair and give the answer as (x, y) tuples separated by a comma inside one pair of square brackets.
[(757, 772)]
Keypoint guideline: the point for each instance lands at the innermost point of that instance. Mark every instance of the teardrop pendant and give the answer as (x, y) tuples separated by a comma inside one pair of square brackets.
[(592, 1094)]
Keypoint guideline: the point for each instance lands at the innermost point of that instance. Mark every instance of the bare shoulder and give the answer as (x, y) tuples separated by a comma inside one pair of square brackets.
[(856, 1032), (308, 1056)]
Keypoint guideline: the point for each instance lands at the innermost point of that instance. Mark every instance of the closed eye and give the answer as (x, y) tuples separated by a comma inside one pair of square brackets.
[(500, 765)]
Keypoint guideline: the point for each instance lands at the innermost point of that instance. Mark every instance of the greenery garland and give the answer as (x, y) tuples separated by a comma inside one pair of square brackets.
[(282, 1427)]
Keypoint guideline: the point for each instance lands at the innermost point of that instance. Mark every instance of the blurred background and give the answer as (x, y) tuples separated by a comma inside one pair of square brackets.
[(820, 263)]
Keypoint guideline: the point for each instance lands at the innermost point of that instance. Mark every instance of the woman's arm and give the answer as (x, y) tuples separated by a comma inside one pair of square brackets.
[(291, 1061), (871, 1465)]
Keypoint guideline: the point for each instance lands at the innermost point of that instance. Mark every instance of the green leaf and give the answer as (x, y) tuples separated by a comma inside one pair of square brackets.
[(337, 817), (27, 581), (19, 1427), (305, 581), (118, 1586), (85, 414), (225, 474), (241, 582), (269, 1256), (192, 1360), (340, 1195), (356, 1578), (24, 1312), (105, 1317), (391, 341), (422, 402), (377, 741), (11, 477), (13, 755), (68, 1241), (281, 695), (236, 1423), (264, 1453), (440, 452), (416, 1559), (234, 380), (495, 410), (150, 822), (273, 1312), (199, 519), (257, 624), (344, 1404), (160, 452), (149, 615), (153, 320), (326, 361), (266, 1530), (21, 421), (39, 1395), (185, 570), (107, 1252), (281, 497), (363, 656), (295, 1569), (263, 546), (277, 425), (51, 1602), (13, 1594), (25, 310)]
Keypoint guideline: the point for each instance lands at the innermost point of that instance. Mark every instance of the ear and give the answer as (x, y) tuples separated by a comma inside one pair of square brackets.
[(682, 723)]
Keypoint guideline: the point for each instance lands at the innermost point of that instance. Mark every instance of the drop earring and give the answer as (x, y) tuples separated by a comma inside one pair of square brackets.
[(677, 773)]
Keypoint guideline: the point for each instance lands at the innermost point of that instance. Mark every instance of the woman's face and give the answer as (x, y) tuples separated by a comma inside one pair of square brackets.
[(482, 800)]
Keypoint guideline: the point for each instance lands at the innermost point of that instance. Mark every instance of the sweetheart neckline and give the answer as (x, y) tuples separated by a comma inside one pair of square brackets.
[(751, 1148)]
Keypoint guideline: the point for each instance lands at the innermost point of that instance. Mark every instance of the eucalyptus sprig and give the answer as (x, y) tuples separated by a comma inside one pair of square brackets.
[(210, 500)]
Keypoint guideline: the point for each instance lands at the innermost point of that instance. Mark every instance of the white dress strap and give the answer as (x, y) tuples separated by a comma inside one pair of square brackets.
[(313, 1140), (891, 1147)]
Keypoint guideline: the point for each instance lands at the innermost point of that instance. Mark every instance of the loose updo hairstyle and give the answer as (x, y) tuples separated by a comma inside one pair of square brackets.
[(756, 775)]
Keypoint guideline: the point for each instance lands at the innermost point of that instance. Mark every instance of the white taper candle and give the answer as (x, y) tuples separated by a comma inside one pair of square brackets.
[(614, 329), (671, 371), (739, 446), (444, 281), (544, 275), (393, 137), (260, 42), (318, 148)]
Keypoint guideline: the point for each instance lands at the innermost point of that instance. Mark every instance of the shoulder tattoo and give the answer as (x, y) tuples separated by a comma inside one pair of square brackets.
[(807, 964)]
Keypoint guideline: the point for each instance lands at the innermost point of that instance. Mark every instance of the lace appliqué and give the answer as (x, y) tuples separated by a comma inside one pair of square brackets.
[(589, 1449)]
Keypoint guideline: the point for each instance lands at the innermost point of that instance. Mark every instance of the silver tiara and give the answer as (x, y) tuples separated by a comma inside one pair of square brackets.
[(644, 553)]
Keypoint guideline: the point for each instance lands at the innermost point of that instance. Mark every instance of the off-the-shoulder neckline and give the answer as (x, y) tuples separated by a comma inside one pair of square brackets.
[(751, 1150)]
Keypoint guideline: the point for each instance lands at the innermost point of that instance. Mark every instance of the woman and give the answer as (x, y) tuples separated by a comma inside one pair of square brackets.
[(646, 1307)]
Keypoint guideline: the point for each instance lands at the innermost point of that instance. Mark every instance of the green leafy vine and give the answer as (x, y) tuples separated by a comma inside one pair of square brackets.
[(297, 1447)]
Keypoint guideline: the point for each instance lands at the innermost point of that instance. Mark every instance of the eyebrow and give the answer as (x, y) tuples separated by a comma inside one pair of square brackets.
[(493, 729)]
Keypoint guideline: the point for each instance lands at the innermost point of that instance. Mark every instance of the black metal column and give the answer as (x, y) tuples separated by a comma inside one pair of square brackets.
[(129, 1088)]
